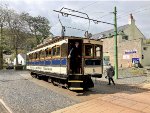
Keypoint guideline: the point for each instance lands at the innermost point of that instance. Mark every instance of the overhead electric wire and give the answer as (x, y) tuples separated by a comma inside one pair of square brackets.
[(74, 28), (135, 12), (94, 20), (87, 5)]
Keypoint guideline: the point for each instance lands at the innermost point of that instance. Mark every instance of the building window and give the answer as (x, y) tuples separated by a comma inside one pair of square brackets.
[(145, 48), (125, 37), (106, 60)]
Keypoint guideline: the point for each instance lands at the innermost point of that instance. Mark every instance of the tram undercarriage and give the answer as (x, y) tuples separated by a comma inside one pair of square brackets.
[(71, 82)]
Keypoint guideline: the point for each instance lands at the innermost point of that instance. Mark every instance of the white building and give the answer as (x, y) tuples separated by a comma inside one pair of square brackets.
[(21, 59)]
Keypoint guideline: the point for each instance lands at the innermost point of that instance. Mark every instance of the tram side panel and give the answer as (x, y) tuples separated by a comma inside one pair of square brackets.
[(57, 67), (53, 64)]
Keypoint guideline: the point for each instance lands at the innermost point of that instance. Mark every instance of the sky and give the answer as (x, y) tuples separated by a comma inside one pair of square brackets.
[(99, 10)]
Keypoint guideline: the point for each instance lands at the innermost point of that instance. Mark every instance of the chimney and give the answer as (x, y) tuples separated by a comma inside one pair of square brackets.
[(131, 20)]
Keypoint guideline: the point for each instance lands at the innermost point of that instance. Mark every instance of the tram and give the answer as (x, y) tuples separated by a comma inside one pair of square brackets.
[(51, 60)]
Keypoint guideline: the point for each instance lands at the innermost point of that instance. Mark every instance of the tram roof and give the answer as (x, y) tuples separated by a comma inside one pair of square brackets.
[(55, 40), (59, 38)]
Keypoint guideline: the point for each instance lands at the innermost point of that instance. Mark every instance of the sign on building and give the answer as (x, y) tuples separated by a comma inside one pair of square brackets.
[(130, 51)]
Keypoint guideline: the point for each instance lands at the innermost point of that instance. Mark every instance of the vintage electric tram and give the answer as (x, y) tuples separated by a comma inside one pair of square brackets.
[(51, 60)]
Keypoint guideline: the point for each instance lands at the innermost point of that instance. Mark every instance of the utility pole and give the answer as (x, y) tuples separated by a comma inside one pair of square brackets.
[(115, 43), (16, 49), (1, 47)]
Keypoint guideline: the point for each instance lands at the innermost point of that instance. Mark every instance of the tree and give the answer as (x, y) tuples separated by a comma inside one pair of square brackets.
[(39, 26), (2, 24), (20, 31), (17, 27)]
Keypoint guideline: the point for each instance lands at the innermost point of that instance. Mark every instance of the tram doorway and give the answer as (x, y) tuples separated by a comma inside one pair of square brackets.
[(75, 56)]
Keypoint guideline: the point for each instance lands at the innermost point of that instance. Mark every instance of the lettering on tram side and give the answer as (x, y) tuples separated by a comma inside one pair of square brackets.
[(47, 68), (39, 68), (33, 68)]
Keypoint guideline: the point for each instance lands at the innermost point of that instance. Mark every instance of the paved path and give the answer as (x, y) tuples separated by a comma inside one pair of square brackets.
[(121, 102)]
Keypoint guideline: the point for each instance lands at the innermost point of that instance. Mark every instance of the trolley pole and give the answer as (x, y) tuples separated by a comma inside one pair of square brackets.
[(115, 43)]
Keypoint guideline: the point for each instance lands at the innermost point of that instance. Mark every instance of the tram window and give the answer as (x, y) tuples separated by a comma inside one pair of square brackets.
[(97, 51), (32, 56), (49, 52), (35, 55), (92, 62), (38, 55), (58, 51), (46, 53), (88, 50), (64, 48), (54, 51), (42, 54)]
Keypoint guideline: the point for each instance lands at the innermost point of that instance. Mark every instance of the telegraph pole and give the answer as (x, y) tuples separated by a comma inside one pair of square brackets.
[(1, 47), (115, 43)]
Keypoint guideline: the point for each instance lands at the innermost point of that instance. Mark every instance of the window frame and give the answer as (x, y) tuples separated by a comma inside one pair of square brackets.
[(56, 56), (37, 55), (49, 53), (95, 51), (42, 55), (125, 37), (92, 51)]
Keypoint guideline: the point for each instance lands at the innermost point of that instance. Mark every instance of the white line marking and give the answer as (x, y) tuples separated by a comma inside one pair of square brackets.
[(8, 109)]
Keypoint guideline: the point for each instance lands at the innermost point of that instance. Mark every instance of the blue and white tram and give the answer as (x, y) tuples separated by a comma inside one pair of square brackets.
[(50, 60)]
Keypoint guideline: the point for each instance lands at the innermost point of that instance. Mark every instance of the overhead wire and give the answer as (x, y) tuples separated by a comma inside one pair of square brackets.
[(134, 12), (82, 8)]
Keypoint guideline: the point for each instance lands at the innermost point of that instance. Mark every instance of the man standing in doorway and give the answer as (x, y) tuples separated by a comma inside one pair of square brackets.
[(74, 56)]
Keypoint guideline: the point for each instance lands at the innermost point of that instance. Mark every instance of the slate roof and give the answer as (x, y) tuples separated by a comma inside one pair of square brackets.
[(108, 32)]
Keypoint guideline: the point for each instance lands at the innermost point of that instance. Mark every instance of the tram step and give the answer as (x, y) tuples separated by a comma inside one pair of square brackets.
[(75, 74), (76, 88), (75, 81)]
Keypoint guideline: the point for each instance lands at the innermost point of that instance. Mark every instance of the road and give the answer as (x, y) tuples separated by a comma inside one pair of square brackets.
[(24, 94)]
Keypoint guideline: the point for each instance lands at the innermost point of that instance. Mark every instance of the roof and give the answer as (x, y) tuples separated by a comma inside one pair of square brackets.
[(108, 32), (7, 56), (22, 55), (58, 38)]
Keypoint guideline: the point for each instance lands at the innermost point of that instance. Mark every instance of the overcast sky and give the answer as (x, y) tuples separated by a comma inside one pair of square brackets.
[(101, 10)]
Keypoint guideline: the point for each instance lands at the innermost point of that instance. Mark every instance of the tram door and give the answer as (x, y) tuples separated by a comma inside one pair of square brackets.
[(75, 56)]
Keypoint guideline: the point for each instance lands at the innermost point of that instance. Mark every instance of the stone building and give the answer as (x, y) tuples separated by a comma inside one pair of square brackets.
[(131, 46)]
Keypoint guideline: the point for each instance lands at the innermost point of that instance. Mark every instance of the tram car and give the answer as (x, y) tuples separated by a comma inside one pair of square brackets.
[(53, 61)]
